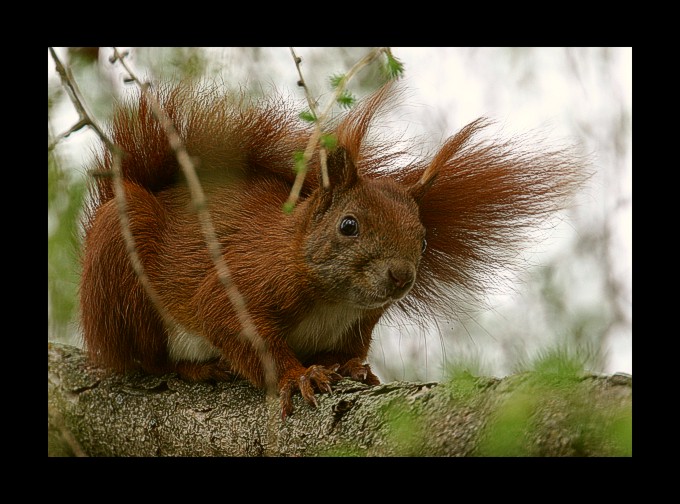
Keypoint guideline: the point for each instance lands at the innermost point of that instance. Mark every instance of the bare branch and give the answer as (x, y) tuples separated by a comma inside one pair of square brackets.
[(317, 129), (86, 119), (76, 127)]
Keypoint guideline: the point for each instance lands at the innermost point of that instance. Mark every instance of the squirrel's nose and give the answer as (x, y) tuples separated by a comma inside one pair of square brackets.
[(401, 275)]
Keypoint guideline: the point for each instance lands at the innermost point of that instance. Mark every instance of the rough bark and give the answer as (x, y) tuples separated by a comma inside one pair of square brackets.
[(94, 413)]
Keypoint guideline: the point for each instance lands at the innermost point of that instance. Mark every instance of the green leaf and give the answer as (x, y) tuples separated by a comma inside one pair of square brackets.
[(307, 116), (336, 80), (299, 161), (346, 100), (329, 141), (393, 67)]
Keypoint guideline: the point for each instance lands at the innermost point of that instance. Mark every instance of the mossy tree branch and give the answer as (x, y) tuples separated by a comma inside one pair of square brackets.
[(95, 414)]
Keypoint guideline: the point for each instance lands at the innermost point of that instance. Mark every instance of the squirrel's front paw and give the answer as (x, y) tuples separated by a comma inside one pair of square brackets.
[(358, 371), (313, 378)]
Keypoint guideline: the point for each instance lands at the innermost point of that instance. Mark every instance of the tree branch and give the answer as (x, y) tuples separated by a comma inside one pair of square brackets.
[(140, 415)]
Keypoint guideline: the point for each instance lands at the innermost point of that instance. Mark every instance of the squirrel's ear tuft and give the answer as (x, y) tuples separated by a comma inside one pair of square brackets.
[(420, 188), (342, 172)]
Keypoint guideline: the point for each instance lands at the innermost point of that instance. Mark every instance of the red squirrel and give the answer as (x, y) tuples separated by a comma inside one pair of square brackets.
[(316, 280)]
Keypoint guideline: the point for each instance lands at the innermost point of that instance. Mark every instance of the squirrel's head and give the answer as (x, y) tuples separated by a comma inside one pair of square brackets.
[(365, 240), (364, 236)]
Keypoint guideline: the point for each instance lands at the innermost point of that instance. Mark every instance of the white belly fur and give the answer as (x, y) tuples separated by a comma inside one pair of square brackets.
[(185, 346), (323, 329)]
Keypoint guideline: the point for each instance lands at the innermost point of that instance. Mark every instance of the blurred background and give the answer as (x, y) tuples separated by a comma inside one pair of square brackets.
[(575, 292)]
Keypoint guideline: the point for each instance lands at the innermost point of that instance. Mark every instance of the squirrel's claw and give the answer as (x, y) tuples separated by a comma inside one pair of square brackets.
[(314, 378), (358, 371)]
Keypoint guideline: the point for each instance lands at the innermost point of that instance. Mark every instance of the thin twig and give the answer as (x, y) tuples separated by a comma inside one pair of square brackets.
[(323, 154), (85, 118), (321, 118), (77, 126), (199, 201)]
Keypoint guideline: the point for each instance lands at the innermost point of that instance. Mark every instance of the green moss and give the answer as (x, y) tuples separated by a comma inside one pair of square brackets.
[(547, 400), (552, 401), (558, 367), (620, 435), (405, 428), (343, 450), (462, 385), (506, 433)]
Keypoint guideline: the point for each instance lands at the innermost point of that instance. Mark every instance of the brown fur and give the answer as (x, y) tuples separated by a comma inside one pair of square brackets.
[(314, 293)]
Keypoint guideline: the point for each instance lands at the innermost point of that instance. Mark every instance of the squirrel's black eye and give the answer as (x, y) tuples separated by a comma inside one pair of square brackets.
[(349, 226), (424, 246)]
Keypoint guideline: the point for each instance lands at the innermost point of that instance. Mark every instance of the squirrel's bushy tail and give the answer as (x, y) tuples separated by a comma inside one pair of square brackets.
[(220, 131), (486, 197)]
